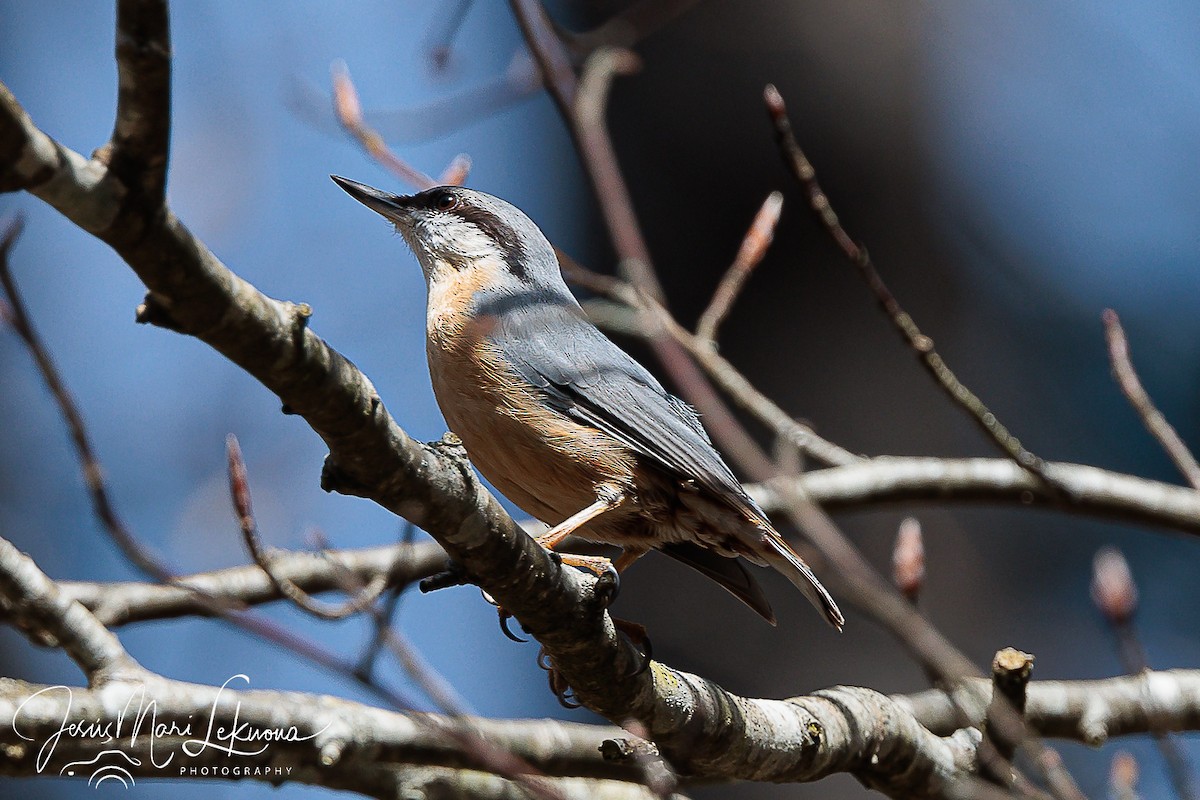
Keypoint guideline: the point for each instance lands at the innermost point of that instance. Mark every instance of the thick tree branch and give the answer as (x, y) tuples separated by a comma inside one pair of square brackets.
[(334, 739)]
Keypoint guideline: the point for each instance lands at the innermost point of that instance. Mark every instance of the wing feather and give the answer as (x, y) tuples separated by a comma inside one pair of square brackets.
[(589, 379)]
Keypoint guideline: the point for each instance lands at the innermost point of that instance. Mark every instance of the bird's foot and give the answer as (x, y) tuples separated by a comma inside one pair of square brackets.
[(505, 616), (558, 684), (608, 579), (637, 636)]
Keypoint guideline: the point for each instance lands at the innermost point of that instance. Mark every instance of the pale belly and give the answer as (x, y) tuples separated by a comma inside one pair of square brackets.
[(545, 463)]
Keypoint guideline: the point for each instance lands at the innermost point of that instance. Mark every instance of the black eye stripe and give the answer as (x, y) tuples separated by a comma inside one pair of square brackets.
[(499, 231), (449, 201)]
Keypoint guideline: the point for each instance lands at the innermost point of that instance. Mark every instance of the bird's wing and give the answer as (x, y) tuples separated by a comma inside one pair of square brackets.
[(586, 377)]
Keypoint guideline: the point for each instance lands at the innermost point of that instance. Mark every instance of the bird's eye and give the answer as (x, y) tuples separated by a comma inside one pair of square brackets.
[(445, 201)]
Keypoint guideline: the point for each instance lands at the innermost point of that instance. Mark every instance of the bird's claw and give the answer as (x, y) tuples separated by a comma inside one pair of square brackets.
[(558, 685), (639, 638), (608, 580), (505, 616), (608, 585)]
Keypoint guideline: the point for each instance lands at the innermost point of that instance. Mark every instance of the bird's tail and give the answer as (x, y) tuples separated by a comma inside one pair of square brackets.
[(780, 556)]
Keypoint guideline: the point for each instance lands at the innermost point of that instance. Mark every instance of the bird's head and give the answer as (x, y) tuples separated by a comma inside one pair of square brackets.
[(456, 232)]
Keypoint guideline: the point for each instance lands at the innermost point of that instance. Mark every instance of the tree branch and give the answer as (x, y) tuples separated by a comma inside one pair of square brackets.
[(141, 135), (33, 603), (1162, 431), (887, 480), (116, 604), (1087, 711)]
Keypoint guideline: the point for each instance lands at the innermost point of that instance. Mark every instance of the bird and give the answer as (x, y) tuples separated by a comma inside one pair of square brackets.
[(561, 420)]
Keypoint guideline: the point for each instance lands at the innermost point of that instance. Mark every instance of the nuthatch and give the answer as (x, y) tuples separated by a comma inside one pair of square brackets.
[(557, 417)]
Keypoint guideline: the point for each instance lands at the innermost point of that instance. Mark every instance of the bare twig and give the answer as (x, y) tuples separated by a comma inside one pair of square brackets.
[(754, 247), (921, 344), (239, 489), (600, 159), (455, 173), (1152, 418), (439, 40), (1011, 670), (348, 109), (886, 480), (124, 603), (93, 473), (552, 59), (1115, 594)]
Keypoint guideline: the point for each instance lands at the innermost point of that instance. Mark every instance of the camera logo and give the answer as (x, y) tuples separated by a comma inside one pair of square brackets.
[(106, 766)]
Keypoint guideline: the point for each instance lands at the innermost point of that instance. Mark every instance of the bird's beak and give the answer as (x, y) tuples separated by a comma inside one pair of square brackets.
[(392, 206)]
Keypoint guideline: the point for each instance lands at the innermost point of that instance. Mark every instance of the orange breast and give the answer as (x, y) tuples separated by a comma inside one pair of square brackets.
[(545, 463)]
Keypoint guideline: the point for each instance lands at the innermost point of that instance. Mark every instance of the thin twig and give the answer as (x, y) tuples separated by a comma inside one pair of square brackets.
[(439, 39), (1011, 670), (239, 490), (384, 614), (600, 158), (1123, 777), (803, 171), (754, 247), (1152, 418), (1116, 596), (348, 110), (93, 473)]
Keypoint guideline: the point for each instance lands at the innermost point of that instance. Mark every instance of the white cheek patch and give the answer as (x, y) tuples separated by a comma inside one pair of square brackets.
[(445, 237)]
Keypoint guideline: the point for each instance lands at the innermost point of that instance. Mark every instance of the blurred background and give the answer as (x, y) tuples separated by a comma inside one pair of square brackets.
[(1013, 168)]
